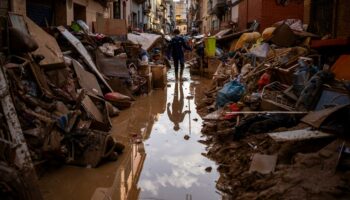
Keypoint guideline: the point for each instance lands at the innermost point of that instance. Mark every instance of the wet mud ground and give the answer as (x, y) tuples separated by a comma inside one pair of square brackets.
[(162, 159)]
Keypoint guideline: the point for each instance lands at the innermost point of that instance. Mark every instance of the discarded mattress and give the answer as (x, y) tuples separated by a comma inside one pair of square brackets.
[(147, 40)]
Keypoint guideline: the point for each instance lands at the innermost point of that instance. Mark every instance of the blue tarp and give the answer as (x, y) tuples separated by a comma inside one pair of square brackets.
[(231, 92)]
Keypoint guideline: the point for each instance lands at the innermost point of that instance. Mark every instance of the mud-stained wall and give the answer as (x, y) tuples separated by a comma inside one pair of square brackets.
[(272, 13), (93, 9), (249, 10), (268, 12), (65, 10)]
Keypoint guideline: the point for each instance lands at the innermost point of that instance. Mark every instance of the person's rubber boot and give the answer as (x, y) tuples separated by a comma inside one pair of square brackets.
[(181, 73), (176, 75)]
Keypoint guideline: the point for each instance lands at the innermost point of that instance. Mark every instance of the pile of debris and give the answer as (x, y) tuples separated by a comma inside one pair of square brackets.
[(278, 116), (64, 84)]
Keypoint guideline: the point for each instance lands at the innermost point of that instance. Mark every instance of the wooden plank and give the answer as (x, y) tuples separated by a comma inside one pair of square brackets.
[(111, 27), (41, 79), (92, 109), (316, 118), (298, 135), (86, 79), (48, 46), (23, 159), (85, 54), (216, 115)]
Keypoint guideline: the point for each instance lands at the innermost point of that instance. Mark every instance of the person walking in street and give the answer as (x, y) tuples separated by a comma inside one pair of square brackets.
[(176, 49)]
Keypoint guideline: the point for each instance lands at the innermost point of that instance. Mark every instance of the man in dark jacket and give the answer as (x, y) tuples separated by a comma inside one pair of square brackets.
[(176, 46)]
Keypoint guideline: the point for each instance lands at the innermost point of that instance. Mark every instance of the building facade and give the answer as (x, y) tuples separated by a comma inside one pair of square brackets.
[(181, 15), (170, 16), (50, 12), (217, 15), (268, 12), (193, 17), (203, 16), (158, 16), (140, 15)]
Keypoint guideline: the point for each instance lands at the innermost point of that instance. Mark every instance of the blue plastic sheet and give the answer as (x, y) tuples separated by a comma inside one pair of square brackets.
[(231, 92)]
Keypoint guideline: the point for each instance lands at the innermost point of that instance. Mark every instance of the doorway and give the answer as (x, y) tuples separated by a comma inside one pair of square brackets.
[(79, 12)]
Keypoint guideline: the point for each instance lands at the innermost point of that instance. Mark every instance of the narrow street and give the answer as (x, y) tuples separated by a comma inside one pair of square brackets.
[(95, 103), (162, 158)]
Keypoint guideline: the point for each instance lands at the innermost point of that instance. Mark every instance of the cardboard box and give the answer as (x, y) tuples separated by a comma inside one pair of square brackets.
[(159, 76), (144, 70), (148, 86), (111, 27)]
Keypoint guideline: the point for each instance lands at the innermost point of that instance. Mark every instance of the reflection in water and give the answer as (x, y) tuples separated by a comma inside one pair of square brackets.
[(157, 162), (177, 115), (125, 183), (136, 123), (175, 168)]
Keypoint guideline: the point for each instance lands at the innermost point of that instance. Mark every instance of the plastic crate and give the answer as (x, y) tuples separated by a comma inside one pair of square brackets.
[(273, 97)]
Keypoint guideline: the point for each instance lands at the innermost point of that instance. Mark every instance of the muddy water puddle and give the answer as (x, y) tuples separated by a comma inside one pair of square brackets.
[(162, 159)]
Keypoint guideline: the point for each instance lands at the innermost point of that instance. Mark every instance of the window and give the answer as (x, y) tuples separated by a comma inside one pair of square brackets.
[(215, 25), (134, 20), (138, 19), (41, 12), (79, 12)]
